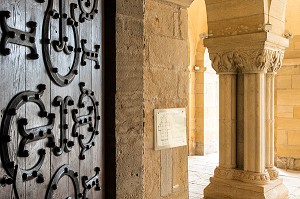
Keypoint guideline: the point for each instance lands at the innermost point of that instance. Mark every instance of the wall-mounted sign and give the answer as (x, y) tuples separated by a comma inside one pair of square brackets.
[(170, 128)]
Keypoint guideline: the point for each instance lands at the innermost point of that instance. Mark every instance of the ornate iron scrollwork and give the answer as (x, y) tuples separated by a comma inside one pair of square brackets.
[(64, 170), (87, 15), (89, 183), (86, 120), (90, 55), (14, 36), (28, 136), (65, 145), (61, 45)]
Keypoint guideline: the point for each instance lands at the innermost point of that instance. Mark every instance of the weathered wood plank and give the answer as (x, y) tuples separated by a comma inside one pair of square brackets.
[(98, 86), (61, 61), (12, 73), (86, 165), (36, 74), (74, 93)]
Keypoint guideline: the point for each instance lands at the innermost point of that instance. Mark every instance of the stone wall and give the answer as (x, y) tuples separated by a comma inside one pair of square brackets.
[(129, 99), (151, 72), (288, 117), (287, 107), (165, 86)]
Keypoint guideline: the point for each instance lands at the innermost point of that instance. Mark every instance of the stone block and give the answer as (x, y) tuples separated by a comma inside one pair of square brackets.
[(288, 97), (181, 3), (160, 83), (294, 138), (285, 115), (288, 151), (129, 61), (129, 34), (199, 78), (183, 84), (167, 52), (159, 18), (129, 112), (152, 174), (220, 188), (288, 70), (128, 81), (297, 112), (238, 26), (133, 8), (288, 124), (282, 137), (183, 24), (296, 81), (199, 100), (284, 81), (199, 113), (129, 158), (285, 109), (199, 88), (232, 9)]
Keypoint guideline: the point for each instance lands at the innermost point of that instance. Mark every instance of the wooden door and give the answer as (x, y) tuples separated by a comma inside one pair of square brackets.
[(51, 82)]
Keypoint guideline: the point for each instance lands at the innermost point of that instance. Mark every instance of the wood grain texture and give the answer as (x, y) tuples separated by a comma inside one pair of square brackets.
[(86, 165), (12, 73), (18, 73), (98, 88)]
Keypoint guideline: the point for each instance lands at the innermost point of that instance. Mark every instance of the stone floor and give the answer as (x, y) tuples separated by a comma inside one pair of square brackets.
[(202, 167)]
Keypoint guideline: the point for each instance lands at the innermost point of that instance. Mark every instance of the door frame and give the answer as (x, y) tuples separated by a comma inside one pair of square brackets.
[(109, 60)]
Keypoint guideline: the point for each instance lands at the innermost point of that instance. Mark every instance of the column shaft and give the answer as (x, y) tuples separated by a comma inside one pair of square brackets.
[(254, 122), (269, 120), (227, 132), (270, 126)]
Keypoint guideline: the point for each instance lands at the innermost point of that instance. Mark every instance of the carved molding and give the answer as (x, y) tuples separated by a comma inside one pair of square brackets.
[(249, 60), (273, 172), (241, 175), (275, 60)]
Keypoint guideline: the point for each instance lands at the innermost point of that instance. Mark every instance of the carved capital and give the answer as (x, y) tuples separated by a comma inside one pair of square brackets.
[(226, 62), (247, 53), (275, 60), (244, 176), (247, 60)]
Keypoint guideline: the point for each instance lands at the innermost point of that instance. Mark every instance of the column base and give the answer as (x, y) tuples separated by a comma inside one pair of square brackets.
[(233, 189)]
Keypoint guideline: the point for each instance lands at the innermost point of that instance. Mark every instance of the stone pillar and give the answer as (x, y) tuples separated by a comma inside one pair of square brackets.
[(251, 59), (227, 111), (254, 120), (227, 120), (275, 64)]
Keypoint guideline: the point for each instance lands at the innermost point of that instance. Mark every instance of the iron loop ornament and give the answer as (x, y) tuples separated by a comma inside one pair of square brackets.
[(61, 45), (65, 144), (28, 135), (64, 170), (91, 120), (87, 15)]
